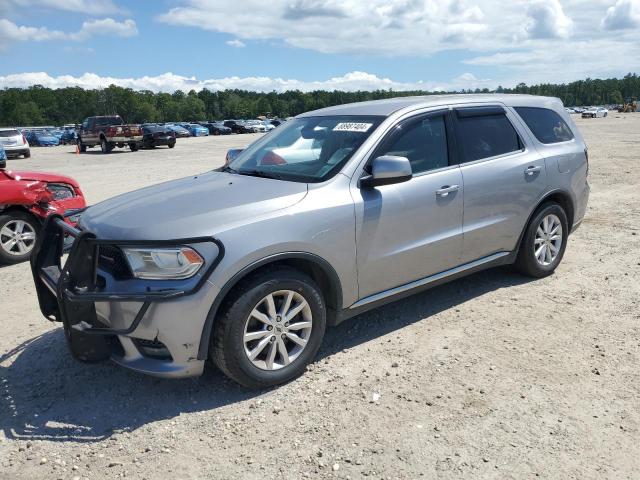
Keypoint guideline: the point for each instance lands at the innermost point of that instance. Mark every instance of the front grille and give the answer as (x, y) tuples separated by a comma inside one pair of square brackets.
[(112, 260)]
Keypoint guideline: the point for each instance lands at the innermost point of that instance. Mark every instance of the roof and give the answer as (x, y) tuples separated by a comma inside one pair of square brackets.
[(391, 105)]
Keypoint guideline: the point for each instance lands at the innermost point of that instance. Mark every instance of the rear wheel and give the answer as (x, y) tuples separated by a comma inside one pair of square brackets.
[(18, 231), (133, 147), (270, 329), (544, 242), (27, 154), (172, 144)]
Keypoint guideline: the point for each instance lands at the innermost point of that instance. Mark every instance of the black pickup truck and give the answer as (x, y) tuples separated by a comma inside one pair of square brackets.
[(109, 132)]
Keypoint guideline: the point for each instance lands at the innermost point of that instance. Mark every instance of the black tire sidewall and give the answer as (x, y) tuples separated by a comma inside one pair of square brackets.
[(527, 261), (238, 366)]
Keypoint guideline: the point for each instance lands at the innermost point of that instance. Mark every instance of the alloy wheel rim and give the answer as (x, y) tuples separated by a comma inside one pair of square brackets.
[(277, 330), (17, 238), (548, 240)]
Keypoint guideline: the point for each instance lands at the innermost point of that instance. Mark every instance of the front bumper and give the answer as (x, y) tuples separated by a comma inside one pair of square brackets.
[(153, 327)]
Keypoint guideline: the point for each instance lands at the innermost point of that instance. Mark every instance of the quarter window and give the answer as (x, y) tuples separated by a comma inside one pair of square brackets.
[(547, 126), (484, 136), (423, 142)]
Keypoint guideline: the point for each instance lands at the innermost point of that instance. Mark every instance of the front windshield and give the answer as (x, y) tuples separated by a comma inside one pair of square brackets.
[(309, 149)]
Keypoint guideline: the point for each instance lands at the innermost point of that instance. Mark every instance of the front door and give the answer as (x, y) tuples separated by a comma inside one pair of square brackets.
[(410, 230)]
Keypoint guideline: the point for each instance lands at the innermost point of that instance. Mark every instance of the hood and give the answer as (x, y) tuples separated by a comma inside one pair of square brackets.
[(40, 177), (189, 207)]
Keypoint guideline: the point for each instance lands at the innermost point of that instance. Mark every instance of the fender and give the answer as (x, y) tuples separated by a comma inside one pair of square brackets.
[(203, 350), (546, 196)]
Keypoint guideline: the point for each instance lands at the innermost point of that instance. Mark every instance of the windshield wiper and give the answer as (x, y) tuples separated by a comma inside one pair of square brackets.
[(259, 173)]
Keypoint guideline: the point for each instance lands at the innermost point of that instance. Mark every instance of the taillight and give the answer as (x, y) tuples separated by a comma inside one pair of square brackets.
[(586, 156), (24, 139)]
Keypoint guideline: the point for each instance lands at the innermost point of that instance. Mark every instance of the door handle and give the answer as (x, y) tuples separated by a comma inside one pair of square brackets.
[(531, 170), (446, 190)]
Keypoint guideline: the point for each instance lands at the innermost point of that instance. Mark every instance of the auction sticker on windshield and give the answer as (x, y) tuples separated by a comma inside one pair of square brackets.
[(352, 127)]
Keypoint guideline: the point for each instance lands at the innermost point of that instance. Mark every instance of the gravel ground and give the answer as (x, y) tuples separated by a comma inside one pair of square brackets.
[(492, 376)]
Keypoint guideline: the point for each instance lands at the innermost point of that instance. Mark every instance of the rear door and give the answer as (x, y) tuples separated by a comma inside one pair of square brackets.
[(504, 177), (411, 230)]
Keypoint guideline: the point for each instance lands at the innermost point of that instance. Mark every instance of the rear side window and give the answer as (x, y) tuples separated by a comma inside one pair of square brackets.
[(545, 124), (485, 136), (423, 142)]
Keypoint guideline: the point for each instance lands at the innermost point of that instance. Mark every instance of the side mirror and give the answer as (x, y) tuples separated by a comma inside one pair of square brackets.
[(387, 170), (232, 154)]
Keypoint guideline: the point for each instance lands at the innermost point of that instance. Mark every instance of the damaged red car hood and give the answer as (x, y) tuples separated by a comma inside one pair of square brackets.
[(29, 176)]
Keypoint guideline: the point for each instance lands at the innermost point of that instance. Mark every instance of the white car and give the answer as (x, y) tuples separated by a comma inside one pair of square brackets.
[(595, 112), (14, 143), (268, 125), (256, 126)]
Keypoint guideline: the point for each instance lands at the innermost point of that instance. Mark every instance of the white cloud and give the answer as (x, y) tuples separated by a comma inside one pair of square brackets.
[(400, 27), (563, 38), (10, 32), (169, 82), (106, 26), (87, 7), (548, 20), (625, 14), (235, 43)]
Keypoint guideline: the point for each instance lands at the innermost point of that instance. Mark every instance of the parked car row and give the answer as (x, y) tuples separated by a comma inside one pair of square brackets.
[(588, 112), (110, 132)]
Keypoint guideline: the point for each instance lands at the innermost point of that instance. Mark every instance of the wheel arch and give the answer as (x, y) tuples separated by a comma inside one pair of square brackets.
[(321, 271), (22, 209), (562, 198)]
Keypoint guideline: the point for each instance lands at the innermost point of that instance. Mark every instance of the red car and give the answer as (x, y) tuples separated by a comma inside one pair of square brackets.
[(26, 199)]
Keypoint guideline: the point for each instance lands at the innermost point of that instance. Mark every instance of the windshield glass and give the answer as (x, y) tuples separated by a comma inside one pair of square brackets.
[(310, 149)]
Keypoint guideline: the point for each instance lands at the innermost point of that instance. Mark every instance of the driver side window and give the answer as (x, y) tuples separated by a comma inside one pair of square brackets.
[(422, 141)]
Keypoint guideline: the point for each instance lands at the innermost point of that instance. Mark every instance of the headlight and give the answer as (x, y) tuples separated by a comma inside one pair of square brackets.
[(175, 263), (60, 192)]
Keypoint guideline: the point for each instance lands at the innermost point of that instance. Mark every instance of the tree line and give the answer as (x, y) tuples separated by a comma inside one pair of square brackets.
[(38, 105)]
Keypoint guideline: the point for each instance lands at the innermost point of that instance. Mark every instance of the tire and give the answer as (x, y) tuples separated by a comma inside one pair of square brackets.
[(527, 262), (228, 349), (216, 132), (27, 224), (134, 147), (28, 154), (104, 146), (172, 144)]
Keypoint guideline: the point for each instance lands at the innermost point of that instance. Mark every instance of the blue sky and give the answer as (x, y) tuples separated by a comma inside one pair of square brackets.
[(343, 44)]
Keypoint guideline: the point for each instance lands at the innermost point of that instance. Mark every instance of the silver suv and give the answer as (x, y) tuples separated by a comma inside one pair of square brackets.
[(333, 213)]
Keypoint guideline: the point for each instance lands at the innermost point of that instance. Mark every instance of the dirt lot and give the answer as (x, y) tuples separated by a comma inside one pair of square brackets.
[(492, 376)]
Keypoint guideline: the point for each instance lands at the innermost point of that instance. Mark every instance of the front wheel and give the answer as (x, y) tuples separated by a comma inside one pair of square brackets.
[(270, 329), (172, 144), (133, 147), (544, 242), (18, 231), (104, 146)]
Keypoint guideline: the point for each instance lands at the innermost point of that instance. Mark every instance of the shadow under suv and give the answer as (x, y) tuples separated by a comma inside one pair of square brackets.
[(335, 212)]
